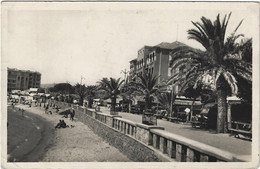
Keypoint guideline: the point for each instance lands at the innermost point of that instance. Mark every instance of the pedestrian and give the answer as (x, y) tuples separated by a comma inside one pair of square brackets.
[(22, 111), (187, 112), (72, 114), (46, 108)]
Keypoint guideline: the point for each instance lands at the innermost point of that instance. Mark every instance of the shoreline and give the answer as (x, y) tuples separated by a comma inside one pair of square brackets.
[(28, 146)]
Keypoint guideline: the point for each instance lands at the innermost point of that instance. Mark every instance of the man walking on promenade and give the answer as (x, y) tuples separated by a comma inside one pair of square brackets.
[(72, 114)]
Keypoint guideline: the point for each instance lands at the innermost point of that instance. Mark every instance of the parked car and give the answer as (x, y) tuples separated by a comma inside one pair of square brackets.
[(200, 120), (161, 114), (135, 109)]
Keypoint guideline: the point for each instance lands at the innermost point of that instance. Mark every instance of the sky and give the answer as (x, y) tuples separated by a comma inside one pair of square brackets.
[(64, 41)]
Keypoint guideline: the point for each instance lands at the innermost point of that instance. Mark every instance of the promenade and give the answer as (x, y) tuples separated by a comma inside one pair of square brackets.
[(76, 144), (222, 141)]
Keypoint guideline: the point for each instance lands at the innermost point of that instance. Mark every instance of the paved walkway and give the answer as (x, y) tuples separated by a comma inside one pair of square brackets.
[(76, 144), (222, 141)]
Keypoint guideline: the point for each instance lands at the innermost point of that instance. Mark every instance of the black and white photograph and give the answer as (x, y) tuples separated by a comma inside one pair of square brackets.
[(130, 85)]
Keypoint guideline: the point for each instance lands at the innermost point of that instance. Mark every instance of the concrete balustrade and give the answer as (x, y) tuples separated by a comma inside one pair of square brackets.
[(187, 150), (125, 126), (81, 108), (171, 146), (143, 132), (101, 117)]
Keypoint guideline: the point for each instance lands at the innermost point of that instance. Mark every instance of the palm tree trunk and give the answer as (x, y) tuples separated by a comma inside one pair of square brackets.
[(113, 103), (222, 111)]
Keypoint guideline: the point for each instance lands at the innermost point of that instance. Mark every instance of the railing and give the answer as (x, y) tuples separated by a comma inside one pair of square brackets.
[(90, 112), (81, 108), (124, 126), (187, 150), (241, 127), (101, 117)]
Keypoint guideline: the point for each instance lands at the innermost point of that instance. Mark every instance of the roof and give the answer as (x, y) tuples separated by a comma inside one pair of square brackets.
[(173, 45), (18, 70)]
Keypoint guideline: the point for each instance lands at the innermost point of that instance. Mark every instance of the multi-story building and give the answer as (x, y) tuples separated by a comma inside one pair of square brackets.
[(22, 79), (154, 60)]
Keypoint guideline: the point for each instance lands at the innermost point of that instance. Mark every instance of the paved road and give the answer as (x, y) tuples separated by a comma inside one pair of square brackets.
[(222, 141)]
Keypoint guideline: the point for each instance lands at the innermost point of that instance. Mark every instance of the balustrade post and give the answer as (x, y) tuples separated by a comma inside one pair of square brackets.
[(178, 152), (204, 158), (131, 130), (190, 155), (143, 132), (154, 140), (171, 147)]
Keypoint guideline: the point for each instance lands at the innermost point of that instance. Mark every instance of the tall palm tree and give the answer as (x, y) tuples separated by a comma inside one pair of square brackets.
[(216, 67), (112, 87), (146, 85)]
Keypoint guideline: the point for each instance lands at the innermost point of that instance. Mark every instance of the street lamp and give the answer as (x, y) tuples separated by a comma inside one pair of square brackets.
[(125, 73)]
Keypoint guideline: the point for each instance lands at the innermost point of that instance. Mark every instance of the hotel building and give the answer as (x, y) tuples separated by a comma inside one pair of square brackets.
[(22, 79)]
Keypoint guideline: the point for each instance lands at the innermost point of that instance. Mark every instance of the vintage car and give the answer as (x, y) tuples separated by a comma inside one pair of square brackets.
[(200, 120)]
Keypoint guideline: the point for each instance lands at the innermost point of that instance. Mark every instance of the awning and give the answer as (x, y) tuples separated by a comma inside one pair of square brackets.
[(187, 102)]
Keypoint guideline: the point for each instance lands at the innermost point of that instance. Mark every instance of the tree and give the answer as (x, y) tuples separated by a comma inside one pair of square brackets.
[(216, 67), (244, 86), (63, 88), (81, 91), (90, 94), (127, 94), (112, 88), (166, 100), (146, 85)]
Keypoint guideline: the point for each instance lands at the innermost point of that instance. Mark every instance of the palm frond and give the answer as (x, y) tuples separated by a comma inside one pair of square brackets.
[(231, 81)]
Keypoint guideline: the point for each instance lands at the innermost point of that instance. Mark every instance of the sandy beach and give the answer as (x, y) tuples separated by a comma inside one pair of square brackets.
[(76, 144)]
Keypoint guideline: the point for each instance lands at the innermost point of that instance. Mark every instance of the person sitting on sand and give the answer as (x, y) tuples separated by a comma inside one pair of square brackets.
[(58, 125), (63, 124)]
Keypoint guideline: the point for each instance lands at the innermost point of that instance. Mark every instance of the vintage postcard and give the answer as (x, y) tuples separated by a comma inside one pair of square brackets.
[(130, 85)]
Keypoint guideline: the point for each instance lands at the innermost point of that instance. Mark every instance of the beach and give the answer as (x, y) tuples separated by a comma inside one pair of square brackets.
[(74, 144)]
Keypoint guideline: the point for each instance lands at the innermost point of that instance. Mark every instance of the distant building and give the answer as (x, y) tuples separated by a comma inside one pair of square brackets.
[(155, 60), (22, 79)]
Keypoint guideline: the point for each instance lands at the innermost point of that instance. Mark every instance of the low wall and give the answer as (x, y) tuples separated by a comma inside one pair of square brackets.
[(132, 148), (149, 143)]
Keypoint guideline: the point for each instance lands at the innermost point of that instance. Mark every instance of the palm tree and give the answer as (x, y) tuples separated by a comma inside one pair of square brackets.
[(90, 94), (81, 91), (166, 100), (112, 87), (146, 85), (216, 67)]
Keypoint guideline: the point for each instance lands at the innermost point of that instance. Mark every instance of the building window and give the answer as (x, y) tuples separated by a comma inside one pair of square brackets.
[(18, 77)]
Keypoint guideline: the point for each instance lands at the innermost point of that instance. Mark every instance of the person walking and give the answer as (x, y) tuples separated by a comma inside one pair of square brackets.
[(46, 108), (187, 112), (72, 114)]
